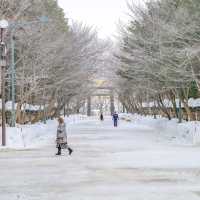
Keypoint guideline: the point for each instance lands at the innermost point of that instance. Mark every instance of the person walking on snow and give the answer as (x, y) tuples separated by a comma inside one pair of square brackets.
[(61, 139), (115, 119), (101, 117)]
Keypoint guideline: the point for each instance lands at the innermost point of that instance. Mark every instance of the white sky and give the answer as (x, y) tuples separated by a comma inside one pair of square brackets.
[(102, 14)]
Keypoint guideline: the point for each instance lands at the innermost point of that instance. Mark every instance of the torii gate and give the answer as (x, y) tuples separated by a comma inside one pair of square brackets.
[(101, 87)]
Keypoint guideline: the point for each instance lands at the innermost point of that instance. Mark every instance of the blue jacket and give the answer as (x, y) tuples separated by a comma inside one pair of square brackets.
[(115, 116)]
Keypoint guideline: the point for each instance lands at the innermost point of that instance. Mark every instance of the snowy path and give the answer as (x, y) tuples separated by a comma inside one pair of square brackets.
[(126, 163)]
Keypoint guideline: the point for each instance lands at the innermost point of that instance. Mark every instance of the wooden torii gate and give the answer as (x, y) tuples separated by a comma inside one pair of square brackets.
[(110, 93)]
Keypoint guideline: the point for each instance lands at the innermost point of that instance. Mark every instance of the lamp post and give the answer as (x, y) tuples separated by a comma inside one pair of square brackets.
[(3, 52), (13, 28), (12, 42)]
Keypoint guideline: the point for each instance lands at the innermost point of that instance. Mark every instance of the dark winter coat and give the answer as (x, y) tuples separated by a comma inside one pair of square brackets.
[(115, 117), (61, 136)]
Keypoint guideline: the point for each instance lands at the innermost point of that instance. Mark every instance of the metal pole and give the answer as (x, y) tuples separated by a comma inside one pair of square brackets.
[(45, 116), (13, 78), (3, 65), (180, 112), (3, 105)]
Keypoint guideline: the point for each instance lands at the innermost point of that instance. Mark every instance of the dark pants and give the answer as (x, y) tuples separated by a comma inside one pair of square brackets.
[(115, 123), (59, 150)]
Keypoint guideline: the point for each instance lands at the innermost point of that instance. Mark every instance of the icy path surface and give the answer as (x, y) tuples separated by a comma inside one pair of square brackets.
[(131, 162)]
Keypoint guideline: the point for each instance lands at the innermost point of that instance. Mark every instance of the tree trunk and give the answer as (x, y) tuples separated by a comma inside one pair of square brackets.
[(162, 107), (173, 101)]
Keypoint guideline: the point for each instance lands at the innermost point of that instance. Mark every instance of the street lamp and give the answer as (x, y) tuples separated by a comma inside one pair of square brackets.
[(4, 24), (13, 27), (3, 53)]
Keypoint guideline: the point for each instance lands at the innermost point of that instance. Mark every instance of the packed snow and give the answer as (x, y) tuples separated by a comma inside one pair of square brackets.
[(141, 159)]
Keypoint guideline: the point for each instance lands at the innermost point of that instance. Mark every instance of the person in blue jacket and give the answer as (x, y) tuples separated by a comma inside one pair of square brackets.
[(115, 119)]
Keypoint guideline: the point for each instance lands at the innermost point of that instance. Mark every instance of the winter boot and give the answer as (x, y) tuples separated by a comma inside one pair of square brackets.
[(70, 151), (59, 151)]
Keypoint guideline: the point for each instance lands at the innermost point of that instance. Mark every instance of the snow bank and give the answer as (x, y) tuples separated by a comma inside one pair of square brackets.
[(35, 135), (187, 133), (24, 106), (40, 134)]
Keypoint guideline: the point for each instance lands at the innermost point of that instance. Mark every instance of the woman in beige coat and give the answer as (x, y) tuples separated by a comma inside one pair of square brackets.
[(61, 139)]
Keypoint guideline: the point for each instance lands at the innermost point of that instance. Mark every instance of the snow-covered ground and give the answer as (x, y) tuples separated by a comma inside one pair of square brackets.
[(139, 160)]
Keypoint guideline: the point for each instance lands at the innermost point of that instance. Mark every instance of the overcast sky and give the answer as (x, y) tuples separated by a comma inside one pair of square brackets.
[(103, 14)]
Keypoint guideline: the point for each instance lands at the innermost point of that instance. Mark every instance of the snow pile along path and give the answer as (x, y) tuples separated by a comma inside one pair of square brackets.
[(39, 134), (185, 133)]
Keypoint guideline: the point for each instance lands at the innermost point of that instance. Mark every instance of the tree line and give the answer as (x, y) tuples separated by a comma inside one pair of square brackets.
[(159, 56), (55, 61)]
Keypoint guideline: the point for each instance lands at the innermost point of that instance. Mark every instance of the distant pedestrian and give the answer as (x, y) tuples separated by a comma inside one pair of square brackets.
[(115, 119), (62, 137), (101, 117)]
